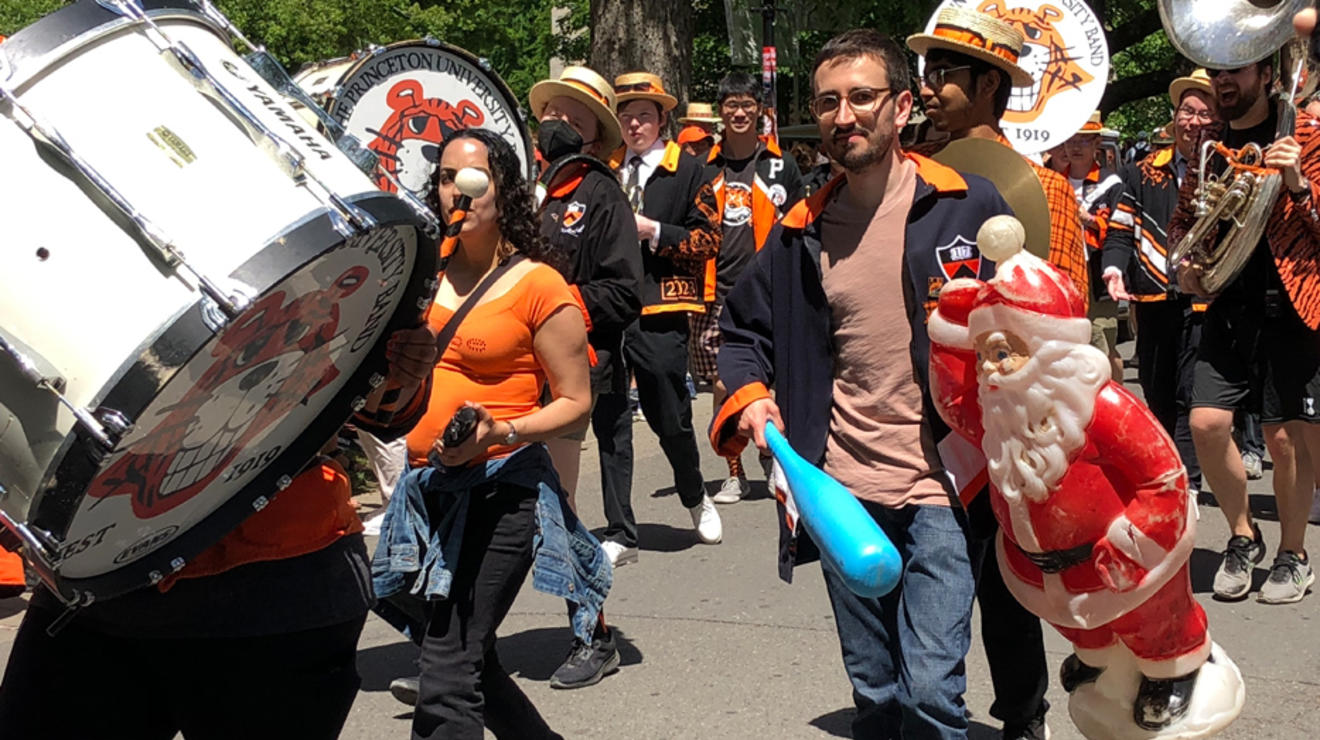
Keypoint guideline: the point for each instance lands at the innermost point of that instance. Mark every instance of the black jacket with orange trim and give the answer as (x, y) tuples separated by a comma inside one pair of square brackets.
[(776, 188), (1136, 245), (679, 198), (586, 218), (776, 320)]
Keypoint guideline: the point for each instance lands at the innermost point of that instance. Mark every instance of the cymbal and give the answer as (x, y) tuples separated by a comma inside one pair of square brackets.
[(1014, 179)]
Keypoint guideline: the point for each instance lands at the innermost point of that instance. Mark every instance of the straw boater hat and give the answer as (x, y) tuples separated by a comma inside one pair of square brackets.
[(978, 35), (699, 113), (643, 86), (1198, 80), (588, 88), (1093, 125)]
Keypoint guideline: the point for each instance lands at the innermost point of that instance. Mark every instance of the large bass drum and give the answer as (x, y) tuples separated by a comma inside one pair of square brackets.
[(402, 100), (196, 292)]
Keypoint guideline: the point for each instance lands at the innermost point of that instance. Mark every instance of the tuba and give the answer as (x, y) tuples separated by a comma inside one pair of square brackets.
[(1242, 194)]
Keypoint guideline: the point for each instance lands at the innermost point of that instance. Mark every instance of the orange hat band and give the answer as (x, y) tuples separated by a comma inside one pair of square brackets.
[(972, 38), (588, 89)]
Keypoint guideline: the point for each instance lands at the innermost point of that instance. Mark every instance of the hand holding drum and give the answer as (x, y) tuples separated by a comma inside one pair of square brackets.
[(851, 542)]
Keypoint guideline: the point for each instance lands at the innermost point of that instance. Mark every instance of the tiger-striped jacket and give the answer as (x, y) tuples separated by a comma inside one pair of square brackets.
[(1292, 229)]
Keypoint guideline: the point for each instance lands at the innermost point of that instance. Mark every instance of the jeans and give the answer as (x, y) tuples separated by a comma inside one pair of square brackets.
[(655, 349), (463, 687), (904, 652)]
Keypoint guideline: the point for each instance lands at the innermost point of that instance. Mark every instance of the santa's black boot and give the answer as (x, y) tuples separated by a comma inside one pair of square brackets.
[(1162, 701), (1074, 673)]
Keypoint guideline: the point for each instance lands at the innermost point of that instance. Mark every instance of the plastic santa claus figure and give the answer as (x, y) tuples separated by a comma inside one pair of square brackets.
[(1096, 524)]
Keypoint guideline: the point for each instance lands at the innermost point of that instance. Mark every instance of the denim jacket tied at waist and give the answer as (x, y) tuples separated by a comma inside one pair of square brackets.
[(419, 548)]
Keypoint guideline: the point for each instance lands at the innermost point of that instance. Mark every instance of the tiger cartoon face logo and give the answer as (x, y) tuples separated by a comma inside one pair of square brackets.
[(1044, 55), (737, 204), (408, 141)]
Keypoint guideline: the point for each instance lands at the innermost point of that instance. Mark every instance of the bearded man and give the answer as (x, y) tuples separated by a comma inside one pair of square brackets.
[(1096, 522)]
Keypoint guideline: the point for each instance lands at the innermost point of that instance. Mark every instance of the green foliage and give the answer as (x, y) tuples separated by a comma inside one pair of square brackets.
[(16, 14)]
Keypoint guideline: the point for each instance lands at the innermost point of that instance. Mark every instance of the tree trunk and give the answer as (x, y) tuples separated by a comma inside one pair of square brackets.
[(644, 35)]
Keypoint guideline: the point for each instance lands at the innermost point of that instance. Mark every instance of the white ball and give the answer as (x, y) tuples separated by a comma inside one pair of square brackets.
[(1001, 237), (472, 182)]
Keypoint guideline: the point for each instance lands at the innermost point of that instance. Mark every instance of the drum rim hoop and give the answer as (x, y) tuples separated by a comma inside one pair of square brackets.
[(36, 48), (52, 507)]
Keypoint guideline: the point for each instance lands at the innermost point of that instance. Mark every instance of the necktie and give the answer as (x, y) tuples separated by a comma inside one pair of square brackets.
[(633, 188)]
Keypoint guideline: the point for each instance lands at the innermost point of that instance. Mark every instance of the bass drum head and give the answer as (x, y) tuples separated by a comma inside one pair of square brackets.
[(222, 421), (402, 100)]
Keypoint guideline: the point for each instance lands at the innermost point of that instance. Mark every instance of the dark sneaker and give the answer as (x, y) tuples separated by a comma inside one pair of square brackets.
[(1162, 701), (405, 690), (1290, 576), (1074, 673), (1036, 729), (587, 664), (1233, 579)]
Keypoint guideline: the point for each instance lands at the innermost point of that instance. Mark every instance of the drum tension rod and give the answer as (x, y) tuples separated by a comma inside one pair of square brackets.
[(106, 427), (49, 137)]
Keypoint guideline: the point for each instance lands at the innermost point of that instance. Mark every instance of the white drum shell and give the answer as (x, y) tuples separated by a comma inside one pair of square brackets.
[(77, 290)]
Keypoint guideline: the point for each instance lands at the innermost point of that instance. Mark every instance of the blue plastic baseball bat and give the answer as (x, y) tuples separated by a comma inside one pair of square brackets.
[(851, 542)]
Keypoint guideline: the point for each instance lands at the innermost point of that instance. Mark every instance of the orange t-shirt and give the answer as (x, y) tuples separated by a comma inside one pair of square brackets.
[(490, 359), (314, 511)]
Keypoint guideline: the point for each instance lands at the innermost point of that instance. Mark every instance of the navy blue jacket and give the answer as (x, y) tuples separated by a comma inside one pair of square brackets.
[(776, 320)]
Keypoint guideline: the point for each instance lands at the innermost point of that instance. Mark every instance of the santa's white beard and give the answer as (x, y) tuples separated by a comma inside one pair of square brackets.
[(1037, 417)]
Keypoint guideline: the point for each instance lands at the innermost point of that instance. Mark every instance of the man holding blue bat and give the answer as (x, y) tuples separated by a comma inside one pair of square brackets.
[(831, 315)]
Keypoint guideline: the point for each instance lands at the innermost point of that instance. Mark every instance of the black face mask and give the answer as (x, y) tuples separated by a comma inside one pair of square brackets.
[(555, 139)]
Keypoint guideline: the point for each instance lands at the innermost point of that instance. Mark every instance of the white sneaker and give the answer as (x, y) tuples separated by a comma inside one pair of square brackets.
[(619, 553), (733, 490), (371, 527), (1315, 508), (706, 520)]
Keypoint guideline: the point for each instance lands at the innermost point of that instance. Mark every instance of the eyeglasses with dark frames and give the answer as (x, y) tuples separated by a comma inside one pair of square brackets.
[(935, 76)]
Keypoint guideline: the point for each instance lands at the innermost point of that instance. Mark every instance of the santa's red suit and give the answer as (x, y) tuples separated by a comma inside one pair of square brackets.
[(1102, 555)]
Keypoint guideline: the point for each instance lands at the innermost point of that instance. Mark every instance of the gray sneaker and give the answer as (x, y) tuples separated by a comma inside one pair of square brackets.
[(1290, 576), (1233, 579), (735, 488), (1251, 462)]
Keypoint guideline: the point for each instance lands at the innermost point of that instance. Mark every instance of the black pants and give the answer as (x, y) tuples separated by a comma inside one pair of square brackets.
[(655, 349), (1168, 333), (1012, 636), (463, 686), (83, 683)]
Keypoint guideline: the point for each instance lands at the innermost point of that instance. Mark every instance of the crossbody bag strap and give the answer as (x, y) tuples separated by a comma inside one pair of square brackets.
[(447, 333)]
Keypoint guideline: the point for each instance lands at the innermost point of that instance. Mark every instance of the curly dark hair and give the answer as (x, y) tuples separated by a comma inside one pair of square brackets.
[(517, 221)]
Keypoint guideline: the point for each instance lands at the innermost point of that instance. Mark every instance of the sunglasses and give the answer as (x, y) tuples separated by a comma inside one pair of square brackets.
[(637, 87)]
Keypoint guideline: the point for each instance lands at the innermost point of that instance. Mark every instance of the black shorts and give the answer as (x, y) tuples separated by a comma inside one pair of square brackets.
[(1259, 357)]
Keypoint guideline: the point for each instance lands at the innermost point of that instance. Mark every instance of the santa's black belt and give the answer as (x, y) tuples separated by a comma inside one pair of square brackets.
[(1056, 561)]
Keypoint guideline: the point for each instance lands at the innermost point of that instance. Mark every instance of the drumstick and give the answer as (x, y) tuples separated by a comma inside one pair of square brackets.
[(471, 183), (851, 542)]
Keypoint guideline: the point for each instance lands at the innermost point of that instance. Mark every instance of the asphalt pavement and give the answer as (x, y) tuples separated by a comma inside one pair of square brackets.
[(714, 645)]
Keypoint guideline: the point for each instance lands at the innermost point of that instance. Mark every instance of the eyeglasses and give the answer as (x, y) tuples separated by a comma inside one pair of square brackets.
[(935, 76), (860, 99), (1204, 116), (1216, 72), (732, 106)]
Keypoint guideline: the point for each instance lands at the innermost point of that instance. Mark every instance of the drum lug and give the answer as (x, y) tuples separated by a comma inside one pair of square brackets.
[(114, 424), (40, 546)]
